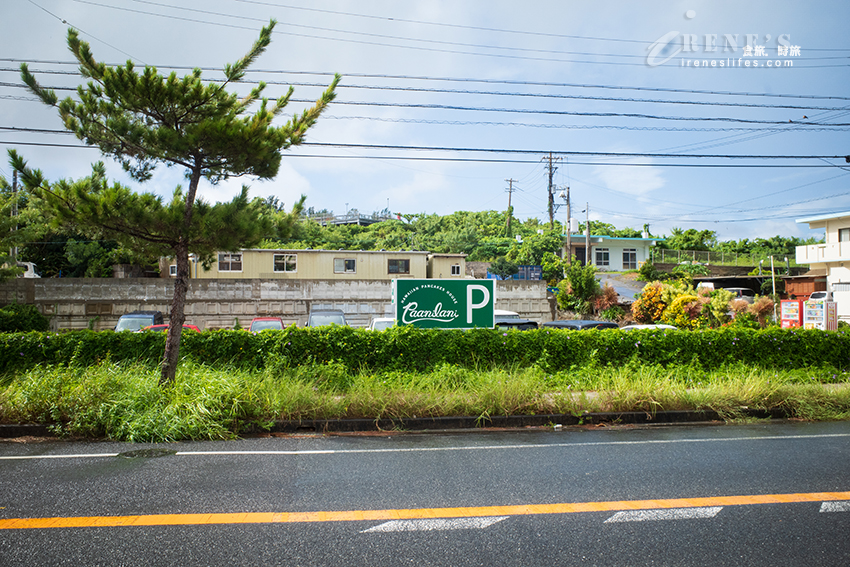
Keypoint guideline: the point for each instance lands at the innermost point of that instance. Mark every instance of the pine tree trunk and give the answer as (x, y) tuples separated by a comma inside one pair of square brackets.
[(181, 287), (178, 316)]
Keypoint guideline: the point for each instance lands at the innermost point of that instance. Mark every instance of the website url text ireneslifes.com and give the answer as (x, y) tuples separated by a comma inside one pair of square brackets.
[(739, 62)]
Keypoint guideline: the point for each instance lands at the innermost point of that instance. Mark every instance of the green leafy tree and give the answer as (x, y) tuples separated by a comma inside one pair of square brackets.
[(579, 289), (146, 119), (553, 268), (503, 268), (9, 236), (533, 248), (690, 239)]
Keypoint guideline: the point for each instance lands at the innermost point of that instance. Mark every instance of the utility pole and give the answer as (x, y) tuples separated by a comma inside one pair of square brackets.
[(14, 251), (569, 241), (587, 259), (551, 167), (510, 190)]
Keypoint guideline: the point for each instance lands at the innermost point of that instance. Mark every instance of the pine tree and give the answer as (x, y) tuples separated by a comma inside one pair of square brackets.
[(144, 119)]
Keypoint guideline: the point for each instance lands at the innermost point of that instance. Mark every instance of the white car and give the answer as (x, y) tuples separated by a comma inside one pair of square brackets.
[(821, 296), (659, 326), (381, 323)]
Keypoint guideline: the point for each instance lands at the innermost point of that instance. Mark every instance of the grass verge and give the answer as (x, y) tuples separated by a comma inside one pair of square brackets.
[(124, 401)]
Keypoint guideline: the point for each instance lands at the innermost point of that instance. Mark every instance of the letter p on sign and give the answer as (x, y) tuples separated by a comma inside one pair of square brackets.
[(470, 304)]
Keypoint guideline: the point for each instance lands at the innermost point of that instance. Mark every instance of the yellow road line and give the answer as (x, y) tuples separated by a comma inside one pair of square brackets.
[(413, 514)]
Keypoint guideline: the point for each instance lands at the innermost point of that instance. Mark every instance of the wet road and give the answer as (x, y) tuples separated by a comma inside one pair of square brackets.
[(762, 494)]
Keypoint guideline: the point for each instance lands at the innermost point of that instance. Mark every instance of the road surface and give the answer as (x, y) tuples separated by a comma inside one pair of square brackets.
[(761, 494)]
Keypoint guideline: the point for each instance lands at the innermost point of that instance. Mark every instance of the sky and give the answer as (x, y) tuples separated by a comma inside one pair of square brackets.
[(648, 109)]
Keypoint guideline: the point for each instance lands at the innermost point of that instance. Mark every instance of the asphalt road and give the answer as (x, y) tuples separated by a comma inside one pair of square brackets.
[(627, 289), (764, 494)]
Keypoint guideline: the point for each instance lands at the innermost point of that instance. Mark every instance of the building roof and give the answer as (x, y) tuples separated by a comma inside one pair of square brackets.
[(824, 217), (579, 237), (320, 250)]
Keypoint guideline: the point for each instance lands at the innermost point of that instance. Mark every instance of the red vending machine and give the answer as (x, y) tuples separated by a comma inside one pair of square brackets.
[(791, 313)]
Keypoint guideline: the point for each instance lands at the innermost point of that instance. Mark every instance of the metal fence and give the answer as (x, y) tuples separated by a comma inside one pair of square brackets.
[(664, 256)]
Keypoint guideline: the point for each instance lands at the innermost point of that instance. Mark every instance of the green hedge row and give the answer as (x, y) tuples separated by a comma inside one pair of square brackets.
[(411, 349)]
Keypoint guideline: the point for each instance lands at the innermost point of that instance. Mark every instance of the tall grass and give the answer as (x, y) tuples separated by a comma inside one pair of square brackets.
[(124, 401)]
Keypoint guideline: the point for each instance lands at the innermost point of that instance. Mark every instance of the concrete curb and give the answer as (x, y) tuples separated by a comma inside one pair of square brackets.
[(412, 424), (513, 421)]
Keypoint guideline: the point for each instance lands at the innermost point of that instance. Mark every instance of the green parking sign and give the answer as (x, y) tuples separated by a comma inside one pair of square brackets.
[(444, 303)]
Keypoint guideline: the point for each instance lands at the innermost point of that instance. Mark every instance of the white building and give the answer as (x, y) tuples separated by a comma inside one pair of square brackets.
[(833, 256), (610, 253)]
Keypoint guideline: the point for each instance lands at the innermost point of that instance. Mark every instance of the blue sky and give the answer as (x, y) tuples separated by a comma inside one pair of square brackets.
[(443, 102)]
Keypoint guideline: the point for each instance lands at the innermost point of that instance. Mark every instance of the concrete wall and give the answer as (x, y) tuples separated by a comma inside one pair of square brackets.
[(77, 303)]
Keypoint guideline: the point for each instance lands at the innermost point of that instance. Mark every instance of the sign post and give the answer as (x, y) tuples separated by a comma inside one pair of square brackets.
[(444, 303)]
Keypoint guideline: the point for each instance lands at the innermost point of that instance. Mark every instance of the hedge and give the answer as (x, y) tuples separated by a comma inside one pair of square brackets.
[(411, 349), (19, 317)]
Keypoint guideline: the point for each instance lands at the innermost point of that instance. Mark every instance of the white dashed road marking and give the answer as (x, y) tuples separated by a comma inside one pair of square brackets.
[(430, 525), (676, 514), (840, 506)]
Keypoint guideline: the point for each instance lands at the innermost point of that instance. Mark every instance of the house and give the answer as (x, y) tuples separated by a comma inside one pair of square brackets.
[(831, 258), (610, 253), (325, 265)]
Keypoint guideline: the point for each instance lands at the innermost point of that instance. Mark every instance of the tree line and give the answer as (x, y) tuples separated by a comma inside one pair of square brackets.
[(481, 235)]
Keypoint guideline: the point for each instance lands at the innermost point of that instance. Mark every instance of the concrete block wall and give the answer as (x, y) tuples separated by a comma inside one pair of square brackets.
[(97, 303)]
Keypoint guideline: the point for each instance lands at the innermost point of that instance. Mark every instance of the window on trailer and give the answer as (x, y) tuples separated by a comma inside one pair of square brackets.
[(285, 262), (344, 266), (230, 262), (398, 266)]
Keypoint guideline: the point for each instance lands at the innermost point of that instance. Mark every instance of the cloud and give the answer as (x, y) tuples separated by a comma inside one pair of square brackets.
[(632, 180)]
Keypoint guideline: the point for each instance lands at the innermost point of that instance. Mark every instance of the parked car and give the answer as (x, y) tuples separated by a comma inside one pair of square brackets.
[(512, 320), (381, 323), (321, 317), (821, 296), (164, 327), (744, 293), (579, 324), (266, 324), (649, 327), (139, 319)]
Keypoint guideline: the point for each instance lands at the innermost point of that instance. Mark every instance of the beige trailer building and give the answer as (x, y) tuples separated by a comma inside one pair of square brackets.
[(325, 265)]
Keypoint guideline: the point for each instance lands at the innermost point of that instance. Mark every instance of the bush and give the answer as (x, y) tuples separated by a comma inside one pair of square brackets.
[(685, 313), (579, 289), (649, 307), (691, 269), (503, 268), (326, 356), (649, 273), (18, 318)]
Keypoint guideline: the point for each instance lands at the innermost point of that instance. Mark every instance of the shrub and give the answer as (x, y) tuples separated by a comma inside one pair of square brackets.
[(578, 291), (16, 318), (685, 312), (613, 313), (607, 299), (649, 273), (761, 308), (327, 358), (649, 307), (691, 269), (718, 307), (503, 268)]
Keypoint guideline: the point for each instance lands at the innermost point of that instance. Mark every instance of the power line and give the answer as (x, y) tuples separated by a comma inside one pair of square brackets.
[(534, 33), (483, 160), (379, 44), (570, 153), (550, 112), (486, 93), (477, 80)]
